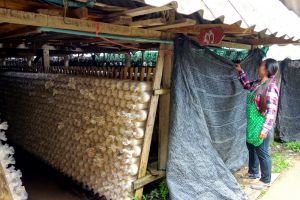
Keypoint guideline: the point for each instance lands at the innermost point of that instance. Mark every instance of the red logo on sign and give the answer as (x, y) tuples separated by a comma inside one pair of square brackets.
[(210, 36)]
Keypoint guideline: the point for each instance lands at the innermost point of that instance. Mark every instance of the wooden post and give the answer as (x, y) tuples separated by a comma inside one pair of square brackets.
[(29, 61), (46, 60), (3, 62), (4, 188), (151, 119), (66, 60), (164, 110)]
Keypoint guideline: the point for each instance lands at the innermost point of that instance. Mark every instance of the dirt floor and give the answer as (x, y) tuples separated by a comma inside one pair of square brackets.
[(44, 183)]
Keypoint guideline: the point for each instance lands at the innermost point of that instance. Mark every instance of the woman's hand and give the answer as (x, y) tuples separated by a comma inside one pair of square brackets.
[(262, 135), (238, 67)]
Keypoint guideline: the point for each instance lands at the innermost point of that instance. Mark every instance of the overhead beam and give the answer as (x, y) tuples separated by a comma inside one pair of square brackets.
[(267, 41), (175, 24), (107, 7), (195, 29), (141, 11), (148, 22), (35, 19), (121, 20)]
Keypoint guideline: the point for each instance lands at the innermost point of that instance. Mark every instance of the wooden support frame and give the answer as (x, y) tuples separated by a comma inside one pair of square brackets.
[(46, 60), (163, 51), (4, 188), (164, 111)]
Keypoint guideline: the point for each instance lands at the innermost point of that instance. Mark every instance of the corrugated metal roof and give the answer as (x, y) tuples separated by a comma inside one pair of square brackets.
[(294, 5), (271, 15)]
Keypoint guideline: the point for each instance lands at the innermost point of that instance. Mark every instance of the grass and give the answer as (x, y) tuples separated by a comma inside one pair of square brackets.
[(280, 162), (293, 146)]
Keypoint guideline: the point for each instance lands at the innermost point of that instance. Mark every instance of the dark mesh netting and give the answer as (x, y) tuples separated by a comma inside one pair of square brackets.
[(208, 123), (288, 126)]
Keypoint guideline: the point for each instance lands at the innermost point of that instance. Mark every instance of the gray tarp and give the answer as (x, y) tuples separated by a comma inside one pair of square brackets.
[(207, 134), (288, 121)]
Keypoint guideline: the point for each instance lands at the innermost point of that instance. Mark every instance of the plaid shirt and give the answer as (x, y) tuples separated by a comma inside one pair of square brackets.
[(272, 95)]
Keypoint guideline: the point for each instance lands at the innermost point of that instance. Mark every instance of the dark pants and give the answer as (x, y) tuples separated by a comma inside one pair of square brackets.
[(260, 156)]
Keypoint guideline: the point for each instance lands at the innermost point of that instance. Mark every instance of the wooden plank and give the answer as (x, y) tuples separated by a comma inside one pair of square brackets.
[(175, 24), (147, 179), (148, 22), (142, 76), (136, 73), (125, 73), (121, 20), (141, 11), (35, 19), (151, 119), (4, 187), (111, 8), (131, 73), (46, 60), (266, 41), (149, 71), (49, 12), (164, 111), (229, 29), (81, 13)]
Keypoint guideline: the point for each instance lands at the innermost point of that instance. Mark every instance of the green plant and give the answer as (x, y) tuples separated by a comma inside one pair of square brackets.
[(294, 146), (153, 195), (134, 198), (274, 143), (163, 190), (279, 162)]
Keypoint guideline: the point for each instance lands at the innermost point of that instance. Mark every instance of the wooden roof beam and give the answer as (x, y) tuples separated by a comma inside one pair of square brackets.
[(142, 11), (176, 24), (267, 41), (40, 20), (148, 22), (228, 29)]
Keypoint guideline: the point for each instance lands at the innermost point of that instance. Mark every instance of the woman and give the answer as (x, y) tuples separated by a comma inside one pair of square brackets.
[(262, 102)]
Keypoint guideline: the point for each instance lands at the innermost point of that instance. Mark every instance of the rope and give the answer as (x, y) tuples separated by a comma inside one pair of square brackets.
[(238, 13)]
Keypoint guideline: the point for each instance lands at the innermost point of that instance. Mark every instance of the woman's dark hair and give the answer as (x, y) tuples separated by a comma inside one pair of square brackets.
[(272, 66)]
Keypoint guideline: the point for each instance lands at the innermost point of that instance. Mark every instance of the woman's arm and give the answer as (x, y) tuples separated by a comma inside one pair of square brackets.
[(271, 109), (243, 78)]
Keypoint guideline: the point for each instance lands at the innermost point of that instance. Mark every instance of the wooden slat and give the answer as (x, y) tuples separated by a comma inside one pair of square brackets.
[(142, 76), (46, 60), (35, 19), (148, 22), (136, 71), (229, 29), (149, 71), (4, 187), (141, 11), (147, 179), (151, 119), (107, 7), (153, 74), (164, 111), (125, 72), (121, 20), (81, 13), (175, 24), (131, 72)]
